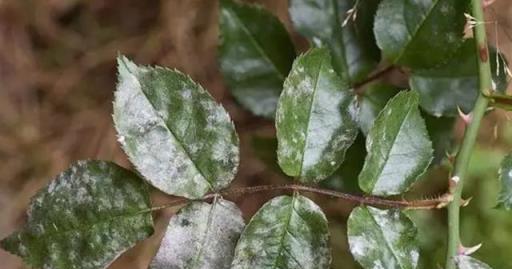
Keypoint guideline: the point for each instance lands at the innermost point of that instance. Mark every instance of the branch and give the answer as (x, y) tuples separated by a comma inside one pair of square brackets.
[(462, 160), (438, 202), (358, 86)]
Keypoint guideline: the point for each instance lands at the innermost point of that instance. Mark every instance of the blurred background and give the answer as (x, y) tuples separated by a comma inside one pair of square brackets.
[(58, 74)]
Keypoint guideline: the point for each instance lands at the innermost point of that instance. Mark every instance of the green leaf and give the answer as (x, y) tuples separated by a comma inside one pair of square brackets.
[(316, 118), (452, 85), (352, 46), (177, 136), (288, 233), (255, 55), (85, 218), (382, 238), (505, 196), (466, 262), (371, 102), (456, 83), (201, 235), (440, 130), (419, 33), (398, 146)]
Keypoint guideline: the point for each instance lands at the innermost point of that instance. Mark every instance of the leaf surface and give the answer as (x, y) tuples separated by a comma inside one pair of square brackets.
[(371, 102), (316, 118), (176, 135), (382, 238), (467, 262), (398, 146), (288, 233), (352, 46), (419, 33), (201, 235), (255, 55), (85, 218), (505, 195), (455, 84)]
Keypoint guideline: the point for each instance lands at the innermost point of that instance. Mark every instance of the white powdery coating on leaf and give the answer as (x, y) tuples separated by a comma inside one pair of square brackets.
[(281, 235), (86, 217), (382, 238), (201, 236)]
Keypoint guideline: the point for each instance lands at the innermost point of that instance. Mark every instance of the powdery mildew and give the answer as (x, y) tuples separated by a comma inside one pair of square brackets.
[(201, 236)]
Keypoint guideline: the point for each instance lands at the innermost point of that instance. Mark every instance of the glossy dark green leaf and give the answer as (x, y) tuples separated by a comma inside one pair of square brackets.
[(382, 238), (288, 233), (398, 146), (176, 135), (315, 120), (201, 235), (85, 218), (455, 84), (371, 102), (352, 46), (505, 196), (440, 131), (420, 33), (255, 55), (467, 262)]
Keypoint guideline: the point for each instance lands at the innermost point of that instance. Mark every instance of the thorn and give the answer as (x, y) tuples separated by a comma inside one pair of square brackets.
[(466, 251), (465, 202), (465, 117), (446, 198), (450, 156)]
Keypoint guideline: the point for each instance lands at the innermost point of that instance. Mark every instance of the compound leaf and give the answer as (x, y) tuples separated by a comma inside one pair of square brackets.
[(352, 46), (316, 118), (177, 136), (85, 218), (505, 196), (398, 146), (419, 33), (382, 238), (255, 55), (467, 262), (287, 232), (201, 235)]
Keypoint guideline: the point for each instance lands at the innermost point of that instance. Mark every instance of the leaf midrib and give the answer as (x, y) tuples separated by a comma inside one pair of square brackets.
[(310, 109), (393, 144), (180, 143), (385, 238), (418, 28), (256, 44)]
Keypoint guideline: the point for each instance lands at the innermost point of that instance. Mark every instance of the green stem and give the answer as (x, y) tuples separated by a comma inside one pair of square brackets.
[(468, 143)]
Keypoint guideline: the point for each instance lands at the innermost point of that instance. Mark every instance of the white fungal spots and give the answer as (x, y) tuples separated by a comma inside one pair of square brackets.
[(201, 236)]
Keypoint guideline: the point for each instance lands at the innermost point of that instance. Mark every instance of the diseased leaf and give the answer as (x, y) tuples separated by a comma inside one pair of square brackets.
[(316, 118), (287, 232), (505, 196), (352, 46), (201, 235), (467, 262), (420, 33), (398, 146), (85, 218), (255, 55), (371, 102), (382, 238), (176, 135)]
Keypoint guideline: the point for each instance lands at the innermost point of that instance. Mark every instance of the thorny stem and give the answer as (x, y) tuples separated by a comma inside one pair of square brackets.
[(438, 202), (463, 157)]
